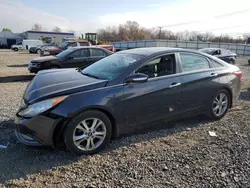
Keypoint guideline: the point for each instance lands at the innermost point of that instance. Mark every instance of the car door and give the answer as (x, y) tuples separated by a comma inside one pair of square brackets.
[(158, 98), (224, 55), (97, 54), (78, 58), (197, 81)]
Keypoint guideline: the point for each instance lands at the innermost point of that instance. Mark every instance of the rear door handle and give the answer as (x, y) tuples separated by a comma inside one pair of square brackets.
[(174, 85), (213, 74)]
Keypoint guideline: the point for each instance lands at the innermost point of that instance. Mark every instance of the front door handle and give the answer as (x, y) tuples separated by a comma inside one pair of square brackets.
[(174, 85), (213, 74)]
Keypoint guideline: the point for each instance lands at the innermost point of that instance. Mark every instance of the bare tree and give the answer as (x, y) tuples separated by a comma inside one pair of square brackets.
[(37, 27), (57, 29), (131, 30)]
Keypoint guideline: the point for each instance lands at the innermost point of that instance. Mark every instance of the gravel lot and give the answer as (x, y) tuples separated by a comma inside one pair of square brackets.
[(180, 155)]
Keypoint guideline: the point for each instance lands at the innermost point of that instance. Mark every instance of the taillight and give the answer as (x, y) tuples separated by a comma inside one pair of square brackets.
[(238, 74)]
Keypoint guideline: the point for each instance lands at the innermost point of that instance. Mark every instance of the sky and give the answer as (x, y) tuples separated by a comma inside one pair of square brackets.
[(217, 16)]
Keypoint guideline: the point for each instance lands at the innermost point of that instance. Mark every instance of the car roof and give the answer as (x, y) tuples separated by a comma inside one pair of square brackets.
[(213, 49), (152, 50), (79, 47)]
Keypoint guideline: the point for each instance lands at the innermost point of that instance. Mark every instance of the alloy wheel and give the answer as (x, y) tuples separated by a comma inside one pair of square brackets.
[(220, 104), (89, 134)]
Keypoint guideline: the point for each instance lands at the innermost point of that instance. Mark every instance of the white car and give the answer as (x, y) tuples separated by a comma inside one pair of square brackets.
[(17, 46)]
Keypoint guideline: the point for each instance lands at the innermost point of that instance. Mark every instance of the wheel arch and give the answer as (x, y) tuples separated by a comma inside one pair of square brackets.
[(230, 94), (58, 131)]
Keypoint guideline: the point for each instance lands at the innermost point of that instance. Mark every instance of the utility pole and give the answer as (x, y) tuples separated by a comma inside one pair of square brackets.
[(159, 32)]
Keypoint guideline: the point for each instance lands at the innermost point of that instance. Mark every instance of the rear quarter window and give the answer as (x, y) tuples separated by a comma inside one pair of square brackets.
[(215, 64)]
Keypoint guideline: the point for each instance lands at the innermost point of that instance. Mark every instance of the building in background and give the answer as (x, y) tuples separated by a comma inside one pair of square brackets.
[(47, 37), (8, 38)]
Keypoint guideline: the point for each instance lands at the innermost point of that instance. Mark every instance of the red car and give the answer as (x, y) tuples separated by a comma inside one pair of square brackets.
[(67, 44)]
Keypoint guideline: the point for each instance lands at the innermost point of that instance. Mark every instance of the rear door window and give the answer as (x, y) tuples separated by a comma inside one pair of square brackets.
[(192, 62), (98, 53)]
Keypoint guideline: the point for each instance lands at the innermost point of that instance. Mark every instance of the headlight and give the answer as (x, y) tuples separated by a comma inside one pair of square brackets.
[(41, 107)]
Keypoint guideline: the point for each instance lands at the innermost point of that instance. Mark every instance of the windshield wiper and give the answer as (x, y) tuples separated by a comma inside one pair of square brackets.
[(89, 75)]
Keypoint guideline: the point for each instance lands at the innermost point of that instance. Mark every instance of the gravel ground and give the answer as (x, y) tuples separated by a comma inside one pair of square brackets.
[(181, 155)]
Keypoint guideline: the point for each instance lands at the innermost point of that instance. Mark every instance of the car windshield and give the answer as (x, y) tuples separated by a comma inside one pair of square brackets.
[(63, 45), (64, 53), (112, 66)]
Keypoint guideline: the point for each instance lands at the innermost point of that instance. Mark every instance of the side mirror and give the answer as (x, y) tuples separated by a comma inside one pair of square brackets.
[(137, 78)]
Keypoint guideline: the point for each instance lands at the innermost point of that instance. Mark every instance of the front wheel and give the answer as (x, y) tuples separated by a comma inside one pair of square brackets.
[(220, 105), (88, 133)]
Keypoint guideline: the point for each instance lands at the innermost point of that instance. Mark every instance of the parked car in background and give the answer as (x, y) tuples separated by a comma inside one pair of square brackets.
[(17, 46), (64, 46), (71, 58), (223, 54), (39, 48), (124, 92)]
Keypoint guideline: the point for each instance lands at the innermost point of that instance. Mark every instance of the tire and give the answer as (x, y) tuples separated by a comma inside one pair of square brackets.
[(214, 114), (77, 128), (38, 51), (249, 61), (15, 49)]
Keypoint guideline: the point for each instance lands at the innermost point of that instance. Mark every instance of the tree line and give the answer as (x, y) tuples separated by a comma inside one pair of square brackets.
[(131, 30), (38, 27)]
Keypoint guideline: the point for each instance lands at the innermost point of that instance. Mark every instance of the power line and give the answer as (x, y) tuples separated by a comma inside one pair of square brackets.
[(200, 21)]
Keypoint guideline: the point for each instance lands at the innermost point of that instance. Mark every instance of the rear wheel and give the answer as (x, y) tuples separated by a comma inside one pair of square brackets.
[(220, 105), (15, 49), (88, 133), (232, 62), (38, 51)]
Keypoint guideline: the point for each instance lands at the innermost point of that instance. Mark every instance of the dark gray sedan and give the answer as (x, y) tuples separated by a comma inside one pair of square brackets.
[(74, 57), (223, 54), (121, 93)]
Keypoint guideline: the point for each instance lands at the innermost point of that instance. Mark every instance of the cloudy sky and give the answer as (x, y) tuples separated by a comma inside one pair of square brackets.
[(217, 16)]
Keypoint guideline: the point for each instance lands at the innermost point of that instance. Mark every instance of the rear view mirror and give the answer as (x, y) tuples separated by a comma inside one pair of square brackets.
[(137, 78)]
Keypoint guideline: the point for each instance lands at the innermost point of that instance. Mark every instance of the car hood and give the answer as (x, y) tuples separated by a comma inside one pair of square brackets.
[(43, 59), (52, 83)]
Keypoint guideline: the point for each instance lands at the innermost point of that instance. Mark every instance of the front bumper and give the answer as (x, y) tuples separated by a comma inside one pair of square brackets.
[(33, 68), (36, 131)]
